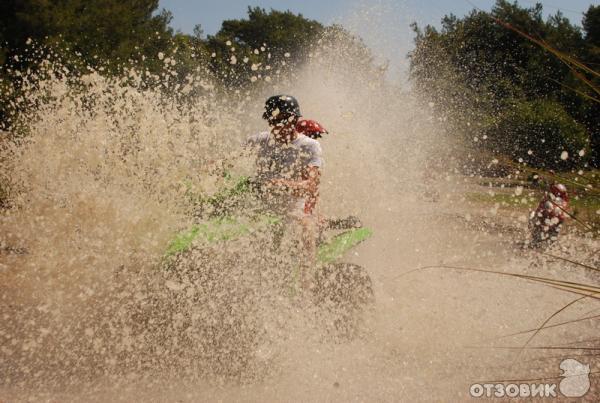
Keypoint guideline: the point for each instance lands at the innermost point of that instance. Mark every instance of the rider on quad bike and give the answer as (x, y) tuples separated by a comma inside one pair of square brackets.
[(546, 221), (289, 169)]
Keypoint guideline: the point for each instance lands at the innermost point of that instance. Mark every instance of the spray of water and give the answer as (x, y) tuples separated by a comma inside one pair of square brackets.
[(101, 181), (105, 171)]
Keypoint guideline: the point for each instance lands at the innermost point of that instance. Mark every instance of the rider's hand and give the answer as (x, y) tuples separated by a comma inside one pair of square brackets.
[(279, 183)]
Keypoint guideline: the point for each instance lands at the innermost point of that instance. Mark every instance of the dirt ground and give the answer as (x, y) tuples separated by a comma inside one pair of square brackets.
[(431, 333)]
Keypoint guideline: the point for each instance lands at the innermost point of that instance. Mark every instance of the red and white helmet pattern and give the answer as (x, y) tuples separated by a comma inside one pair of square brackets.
[(310, 128), (559, 190)]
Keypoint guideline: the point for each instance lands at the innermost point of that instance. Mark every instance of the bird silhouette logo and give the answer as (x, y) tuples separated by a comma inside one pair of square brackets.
[(576, 381)]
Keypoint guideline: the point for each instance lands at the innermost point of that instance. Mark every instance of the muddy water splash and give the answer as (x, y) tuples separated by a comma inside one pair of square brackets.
[(100, 183)]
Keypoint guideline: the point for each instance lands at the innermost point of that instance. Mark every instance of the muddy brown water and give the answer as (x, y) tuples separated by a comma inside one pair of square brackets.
[(430, 335), (101, 187)]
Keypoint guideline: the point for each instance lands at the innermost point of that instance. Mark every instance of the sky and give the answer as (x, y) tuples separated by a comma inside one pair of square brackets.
[(210, 13), (384, 25)]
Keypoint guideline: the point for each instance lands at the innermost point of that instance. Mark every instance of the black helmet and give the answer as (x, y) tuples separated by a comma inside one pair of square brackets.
[(280, 107)]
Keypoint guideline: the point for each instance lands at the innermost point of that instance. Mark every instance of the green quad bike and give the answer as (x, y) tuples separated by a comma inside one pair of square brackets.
[(229, 282), (340, 283)]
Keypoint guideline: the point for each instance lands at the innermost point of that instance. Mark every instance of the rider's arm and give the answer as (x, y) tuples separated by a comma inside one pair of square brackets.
[(307, 186), (312, 188)]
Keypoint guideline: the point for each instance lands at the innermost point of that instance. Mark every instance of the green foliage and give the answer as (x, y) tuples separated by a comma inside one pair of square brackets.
[(538, 132), (273, 44), (109, 35), (105, 35), (266, 43), (281, 31), (108, 31), (590, 111), (482, 74), (591, 25)]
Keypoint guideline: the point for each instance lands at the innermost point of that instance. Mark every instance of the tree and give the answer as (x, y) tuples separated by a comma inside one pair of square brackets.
[(477, 69), (245, 48), (273, 43), (198, 32), (591, 25), (541, 133), (590, 109), (107, 34), (281, 32), (111, 31)]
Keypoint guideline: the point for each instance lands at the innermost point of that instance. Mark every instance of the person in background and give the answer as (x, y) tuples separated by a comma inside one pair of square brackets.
[(550, 214)]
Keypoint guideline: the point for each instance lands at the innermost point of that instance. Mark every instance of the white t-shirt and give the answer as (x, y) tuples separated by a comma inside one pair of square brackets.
[(284, 161)]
